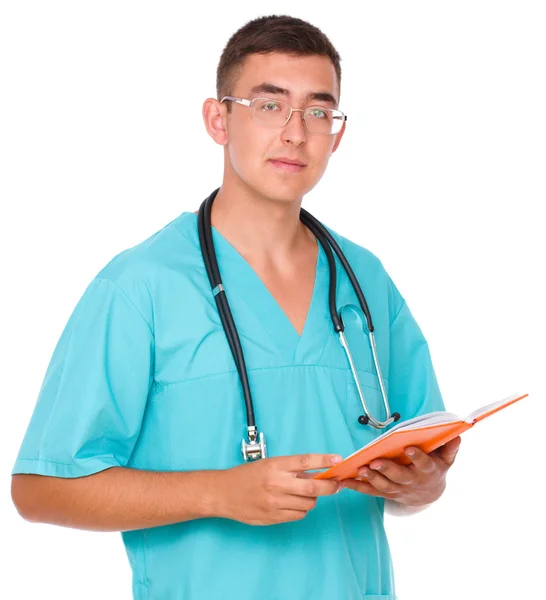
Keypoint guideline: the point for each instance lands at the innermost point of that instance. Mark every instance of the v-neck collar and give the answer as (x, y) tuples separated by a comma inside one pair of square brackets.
[(242, 284)]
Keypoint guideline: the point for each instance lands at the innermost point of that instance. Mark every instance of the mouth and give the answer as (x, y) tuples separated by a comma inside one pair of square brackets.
[(288, 167)]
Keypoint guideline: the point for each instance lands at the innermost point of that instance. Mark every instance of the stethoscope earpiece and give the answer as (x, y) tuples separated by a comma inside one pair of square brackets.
[(363, 419)]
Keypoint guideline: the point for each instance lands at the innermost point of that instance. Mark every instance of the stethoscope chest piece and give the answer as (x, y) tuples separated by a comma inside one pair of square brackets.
[(253, 449)]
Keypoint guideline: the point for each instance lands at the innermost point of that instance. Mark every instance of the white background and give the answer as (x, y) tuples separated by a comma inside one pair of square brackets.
[(441, 174)]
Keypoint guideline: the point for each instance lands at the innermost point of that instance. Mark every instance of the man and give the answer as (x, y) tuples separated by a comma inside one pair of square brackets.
[(139, 421)]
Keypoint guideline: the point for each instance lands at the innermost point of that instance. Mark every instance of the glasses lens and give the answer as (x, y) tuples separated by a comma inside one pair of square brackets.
[(323, 120), (271, 113)]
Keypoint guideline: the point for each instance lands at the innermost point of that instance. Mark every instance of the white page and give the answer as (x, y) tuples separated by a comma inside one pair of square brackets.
[(480, 411), (436, 418), (430, 419), (440, 416)]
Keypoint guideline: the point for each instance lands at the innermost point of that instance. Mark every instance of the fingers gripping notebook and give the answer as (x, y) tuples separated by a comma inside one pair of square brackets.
[(427, 432)]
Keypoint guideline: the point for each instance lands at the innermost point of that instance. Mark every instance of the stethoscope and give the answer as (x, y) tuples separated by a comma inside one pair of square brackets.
[(255, 447)]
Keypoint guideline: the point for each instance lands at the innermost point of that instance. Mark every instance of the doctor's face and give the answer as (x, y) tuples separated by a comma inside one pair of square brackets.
[(250, 147)]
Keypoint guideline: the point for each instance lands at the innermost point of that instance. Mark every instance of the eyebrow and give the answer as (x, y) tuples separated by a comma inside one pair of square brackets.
[(269, 88)]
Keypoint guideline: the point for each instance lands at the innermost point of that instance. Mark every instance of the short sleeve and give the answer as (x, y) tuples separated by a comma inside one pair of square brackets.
[(413, 387), (90, 406)]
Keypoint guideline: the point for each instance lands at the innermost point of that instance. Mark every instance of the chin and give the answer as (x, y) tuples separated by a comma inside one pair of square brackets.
[(274, 188), (279, 191), (286, 197)]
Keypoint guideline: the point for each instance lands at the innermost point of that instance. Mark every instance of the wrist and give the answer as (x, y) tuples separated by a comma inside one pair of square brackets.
[(393, 507), (212, 504), (200, 490)]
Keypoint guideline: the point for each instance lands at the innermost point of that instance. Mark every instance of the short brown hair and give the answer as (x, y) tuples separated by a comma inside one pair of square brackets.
[(274, 33)]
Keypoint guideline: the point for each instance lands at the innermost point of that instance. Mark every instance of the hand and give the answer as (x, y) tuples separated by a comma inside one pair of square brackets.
[(273, 490), (417, 484)]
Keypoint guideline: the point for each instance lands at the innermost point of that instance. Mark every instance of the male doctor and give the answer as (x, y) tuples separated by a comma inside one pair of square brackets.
[(139, 420)]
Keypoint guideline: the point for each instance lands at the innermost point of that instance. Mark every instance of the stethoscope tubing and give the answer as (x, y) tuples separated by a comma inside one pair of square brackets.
[(211, 265), (327, 242)]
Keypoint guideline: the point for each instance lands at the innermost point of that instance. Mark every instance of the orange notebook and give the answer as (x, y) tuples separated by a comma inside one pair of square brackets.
[(427, 432)]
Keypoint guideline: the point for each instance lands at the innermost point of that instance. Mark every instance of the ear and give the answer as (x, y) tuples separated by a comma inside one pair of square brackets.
[(338, 137), (215, 118)]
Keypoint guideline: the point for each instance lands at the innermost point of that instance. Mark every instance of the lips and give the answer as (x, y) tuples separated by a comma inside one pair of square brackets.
[(291, 167), (289, 161)]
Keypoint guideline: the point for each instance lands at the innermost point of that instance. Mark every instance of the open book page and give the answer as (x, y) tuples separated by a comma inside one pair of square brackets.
[(442, 417), (484, 409), (433, 418)]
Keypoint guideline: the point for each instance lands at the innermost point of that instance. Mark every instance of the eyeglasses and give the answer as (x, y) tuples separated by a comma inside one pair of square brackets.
[(275, 113)]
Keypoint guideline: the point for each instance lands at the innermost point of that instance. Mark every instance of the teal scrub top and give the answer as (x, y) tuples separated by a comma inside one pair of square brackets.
[(142, 376)]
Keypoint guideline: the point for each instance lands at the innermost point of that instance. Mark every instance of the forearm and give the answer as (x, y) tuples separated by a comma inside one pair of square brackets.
[(402, 510), (116, 499)]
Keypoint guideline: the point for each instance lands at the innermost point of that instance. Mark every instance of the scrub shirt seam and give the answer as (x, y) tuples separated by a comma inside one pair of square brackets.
[(54, 462), (290, 366), (145, 580), (398, 312), (129, 300), (188, 239)]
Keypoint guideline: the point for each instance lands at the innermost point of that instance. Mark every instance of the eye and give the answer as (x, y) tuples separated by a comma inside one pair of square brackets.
[(269, 106), (318, 113)]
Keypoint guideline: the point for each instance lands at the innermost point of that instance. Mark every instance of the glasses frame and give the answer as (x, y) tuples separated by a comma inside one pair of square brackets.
[(247, 102)]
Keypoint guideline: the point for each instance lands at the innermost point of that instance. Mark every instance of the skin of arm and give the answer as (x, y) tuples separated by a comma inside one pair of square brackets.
[(115, 499), (262, 492)]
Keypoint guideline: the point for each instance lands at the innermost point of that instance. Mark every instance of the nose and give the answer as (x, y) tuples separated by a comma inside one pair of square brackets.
[(294, 130)]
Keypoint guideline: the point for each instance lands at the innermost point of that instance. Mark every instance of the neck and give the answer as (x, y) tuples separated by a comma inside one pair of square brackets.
[(263, 230)]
